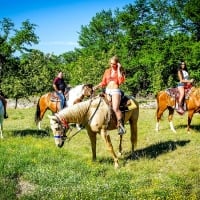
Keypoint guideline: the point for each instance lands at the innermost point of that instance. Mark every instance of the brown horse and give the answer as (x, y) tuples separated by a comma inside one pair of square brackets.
[(50, 101), (97, 117), (167, 101)]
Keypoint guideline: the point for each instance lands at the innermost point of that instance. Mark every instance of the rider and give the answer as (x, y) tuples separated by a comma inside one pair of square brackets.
[(113, 77), (183, 76), (2, 98), (60, 86)]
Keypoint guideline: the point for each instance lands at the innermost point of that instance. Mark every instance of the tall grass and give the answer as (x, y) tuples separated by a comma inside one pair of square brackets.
[(164, 166)]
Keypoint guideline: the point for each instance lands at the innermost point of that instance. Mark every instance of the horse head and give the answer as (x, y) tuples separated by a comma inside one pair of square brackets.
[(88, 90), (58, 130)]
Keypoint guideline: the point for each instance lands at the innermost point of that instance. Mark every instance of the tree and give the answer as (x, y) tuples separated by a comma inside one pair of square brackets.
[(11, 42)]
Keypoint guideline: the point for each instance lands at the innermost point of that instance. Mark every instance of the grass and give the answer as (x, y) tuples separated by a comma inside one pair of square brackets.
[(164, 166)]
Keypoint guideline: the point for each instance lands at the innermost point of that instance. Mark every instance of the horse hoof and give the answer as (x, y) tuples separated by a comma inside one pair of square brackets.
[(119, 154), (116, 165)]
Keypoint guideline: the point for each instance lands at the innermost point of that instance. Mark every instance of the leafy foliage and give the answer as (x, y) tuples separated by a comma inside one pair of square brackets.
[(150, 37)]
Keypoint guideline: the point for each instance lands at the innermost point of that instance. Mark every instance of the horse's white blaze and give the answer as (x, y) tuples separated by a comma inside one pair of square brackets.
[(54, 126)]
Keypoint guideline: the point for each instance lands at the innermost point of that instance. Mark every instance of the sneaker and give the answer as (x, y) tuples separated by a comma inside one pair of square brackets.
[(121, 130)]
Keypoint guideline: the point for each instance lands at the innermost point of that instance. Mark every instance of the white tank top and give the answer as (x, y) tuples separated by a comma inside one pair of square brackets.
[(185, 75)]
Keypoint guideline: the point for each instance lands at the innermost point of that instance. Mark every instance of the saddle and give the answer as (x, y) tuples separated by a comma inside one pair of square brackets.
[(54, 97), (174, 93), (127, 102)]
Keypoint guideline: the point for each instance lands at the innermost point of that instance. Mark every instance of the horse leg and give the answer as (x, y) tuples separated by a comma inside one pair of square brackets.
[(170, 116), (190, 115), (159, 113), (133, 128), (93, 141), (120, 145), (106, 138), (42, 112)]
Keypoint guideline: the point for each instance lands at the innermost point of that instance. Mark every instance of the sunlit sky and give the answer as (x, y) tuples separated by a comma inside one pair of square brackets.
[(58, 21)]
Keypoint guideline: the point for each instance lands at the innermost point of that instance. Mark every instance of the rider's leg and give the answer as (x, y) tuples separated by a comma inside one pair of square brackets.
[(116, 98), (62, 97), (180, 101)]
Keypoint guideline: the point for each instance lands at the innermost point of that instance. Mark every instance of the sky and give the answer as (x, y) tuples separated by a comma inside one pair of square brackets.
[(58, 21)]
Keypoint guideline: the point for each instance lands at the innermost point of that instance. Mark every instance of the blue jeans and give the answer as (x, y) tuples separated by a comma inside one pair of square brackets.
[(62, 99)]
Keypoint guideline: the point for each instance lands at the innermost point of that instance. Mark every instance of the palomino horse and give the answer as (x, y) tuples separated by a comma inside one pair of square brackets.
[(50, 101), (97, 117), (1, 118), (167, 100)]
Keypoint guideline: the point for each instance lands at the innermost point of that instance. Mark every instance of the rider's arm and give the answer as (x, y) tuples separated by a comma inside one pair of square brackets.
[(180, 76), (55, 87)]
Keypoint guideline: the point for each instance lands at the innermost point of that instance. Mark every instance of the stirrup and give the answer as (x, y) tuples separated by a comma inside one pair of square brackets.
[(121, 129)]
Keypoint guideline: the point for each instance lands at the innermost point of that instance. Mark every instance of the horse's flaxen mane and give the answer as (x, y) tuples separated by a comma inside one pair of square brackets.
[(77, 112)]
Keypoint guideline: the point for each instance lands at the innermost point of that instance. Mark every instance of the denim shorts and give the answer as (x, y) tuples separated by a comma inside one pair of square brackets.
[(113, 91), (181, 84)]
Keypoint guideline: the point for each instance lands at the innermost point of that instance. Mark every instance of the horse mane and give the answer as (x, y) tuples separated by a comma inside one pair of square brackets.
[(74, 93), (77, 112)]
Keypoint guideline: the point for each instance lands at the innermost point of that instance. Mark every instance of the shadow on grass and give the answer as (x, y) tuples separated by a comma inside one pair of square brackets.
[(155, 150), (192, 127), (31, 132)]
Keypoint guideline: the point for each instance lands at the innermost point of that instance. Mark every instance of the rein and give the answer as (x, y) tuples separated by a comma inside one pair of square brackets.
[(63, 120), (69, 138)]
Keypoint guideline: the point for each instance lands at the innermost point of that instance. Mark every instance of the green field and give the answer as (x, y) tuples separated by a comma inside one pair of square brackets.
[(165, 165)]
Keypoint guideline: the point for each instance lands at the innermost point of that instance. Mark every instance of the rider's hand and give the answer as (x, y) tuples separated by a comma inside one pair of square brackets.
[(95, 87), (119, 65), (192, 80)]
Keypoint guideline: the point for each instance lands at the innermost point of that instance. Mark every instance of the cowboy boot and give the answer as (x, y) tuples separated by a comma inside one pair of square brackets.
[(121, 129), (180, 109)]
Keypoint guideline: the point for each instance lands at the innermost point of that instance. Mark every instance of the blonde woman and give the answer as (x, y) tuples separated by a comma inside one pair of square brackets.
[(113, 77)]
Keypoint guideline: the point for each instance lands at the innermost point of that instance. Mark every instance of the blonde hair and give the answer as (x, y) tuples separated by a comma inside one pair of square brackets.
[(115, 58)]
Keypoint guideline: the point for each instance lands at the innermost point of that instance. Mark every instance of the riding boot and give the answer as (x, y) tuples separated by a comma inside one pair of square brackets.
[(121, 129), (180, 110)]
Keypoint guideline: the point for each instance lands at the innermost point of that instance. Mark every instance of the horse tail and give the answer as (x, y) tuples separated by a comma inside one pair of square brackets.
[(157, 102), (37, 112)]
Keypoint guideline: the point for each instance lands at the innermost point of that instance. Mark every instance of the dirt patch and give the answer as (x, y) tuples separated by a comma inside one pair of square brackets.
[(25, 187)]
